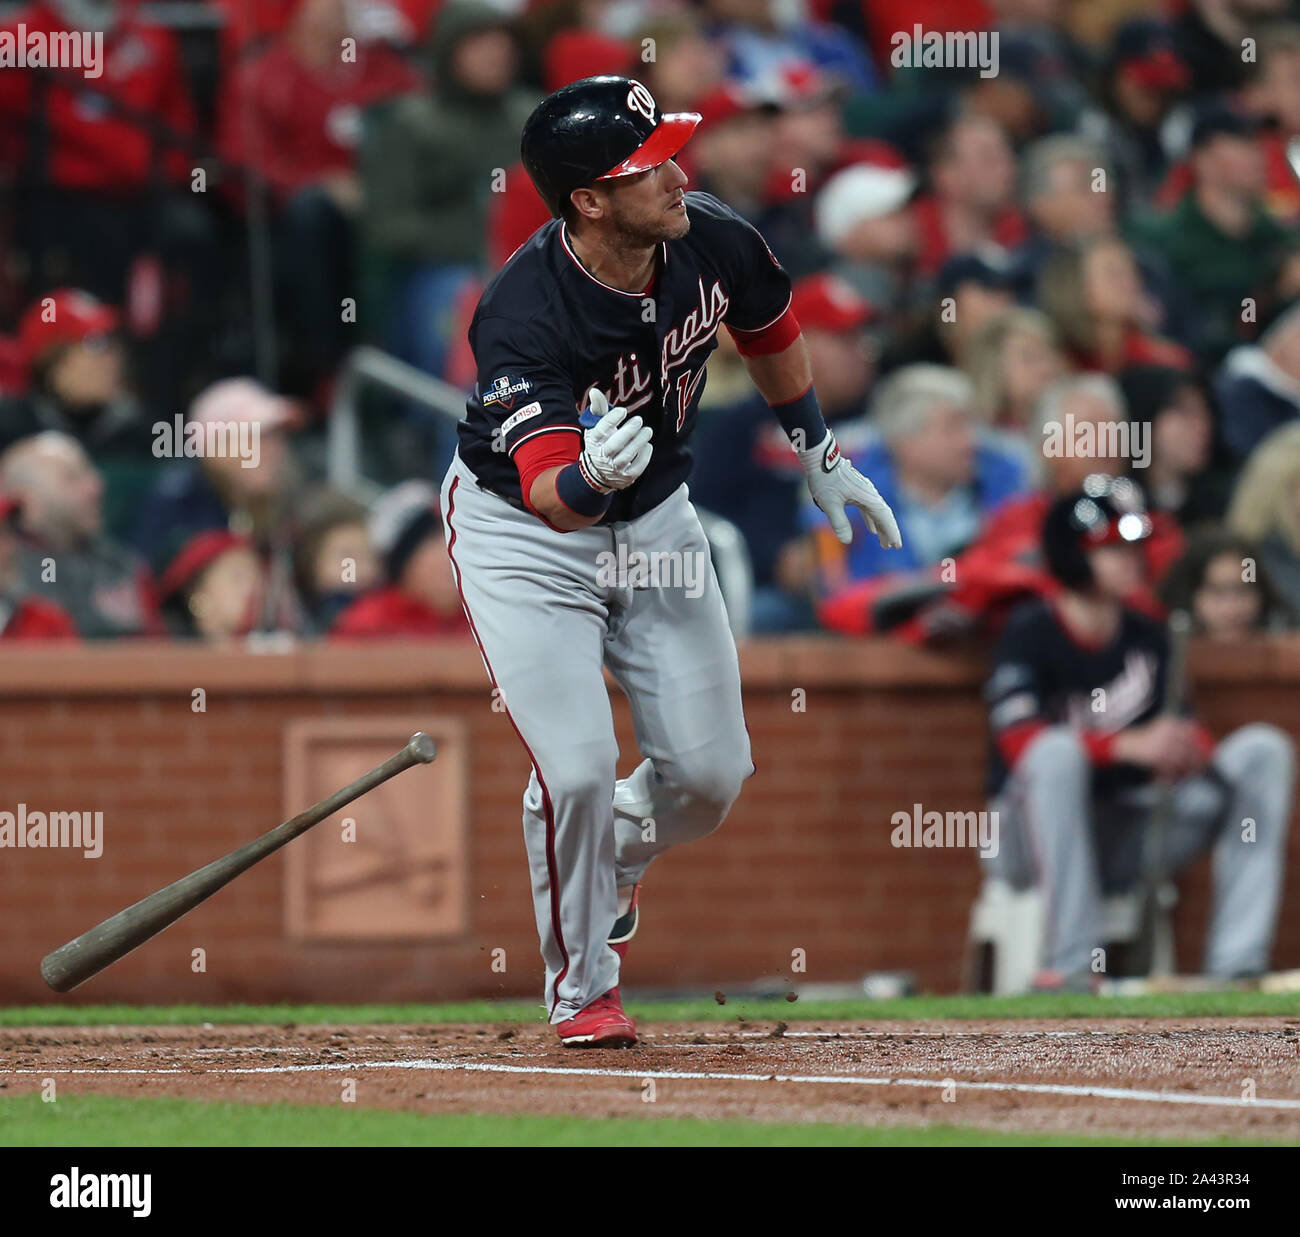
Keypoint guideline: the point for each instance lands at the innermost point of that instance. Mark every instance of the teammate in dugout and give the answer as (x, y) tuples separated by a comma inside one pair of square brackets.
[(590, 347), (1080, 741)]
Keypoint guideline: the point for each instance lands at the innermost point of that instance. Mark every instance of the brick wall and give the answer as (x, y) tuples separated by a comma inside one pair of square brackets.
[(804, 861)]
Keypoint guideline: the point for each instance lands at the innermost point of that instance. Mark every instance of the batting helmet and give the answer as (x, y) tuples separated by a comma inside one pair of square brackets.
[(1106, 511), (595, 129)]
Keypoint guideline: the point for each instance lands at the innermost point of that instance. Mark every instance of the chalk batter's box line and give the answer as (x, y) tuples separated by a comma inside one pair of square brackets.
[(1020, 1088)]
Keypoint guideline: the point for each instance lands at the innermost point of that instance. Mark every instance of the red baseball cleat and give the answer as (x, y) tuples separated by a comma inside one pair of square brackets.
[(625, 926), (602, 1024)]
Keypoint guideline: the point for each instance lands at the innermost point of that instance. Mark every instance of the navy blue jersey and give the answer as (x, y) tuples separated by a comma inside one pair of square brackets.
[(1042, 674), (546, 331)]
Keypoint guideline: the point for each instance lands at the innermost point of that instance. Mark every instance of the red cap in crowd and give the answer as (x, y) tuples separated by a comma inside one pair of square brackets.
[(65, 316), (719, 105), (195, 557), (829, 303), (574, 54)]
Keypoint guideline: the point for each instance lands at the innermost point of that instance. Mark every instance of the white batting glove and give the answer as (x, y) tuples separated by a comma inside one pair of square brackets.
[(615, 452), (835, 484)]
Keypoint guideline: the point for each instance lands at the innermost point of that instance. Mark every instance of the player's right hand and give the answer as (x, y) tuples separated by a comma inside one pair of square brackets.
[(616, 450)]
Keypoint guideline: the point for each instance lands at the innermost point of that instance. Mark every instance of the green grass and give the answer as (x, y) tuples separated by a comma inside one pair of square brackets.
[(909, 1009), (104, 1121)]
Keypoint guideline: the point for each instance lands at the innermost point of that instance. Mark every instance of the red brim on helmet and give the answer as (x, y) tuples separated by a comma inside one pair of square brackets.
[(670, 135)]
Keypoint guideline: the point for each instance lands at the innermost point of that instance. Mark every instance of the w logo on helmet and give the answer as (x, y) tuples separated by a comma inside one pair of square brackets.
[(641, 101)]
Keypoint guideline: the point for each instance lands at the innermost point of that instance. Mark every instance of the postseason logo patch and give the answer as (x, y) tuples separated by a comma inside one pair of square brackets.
[(503, 391)]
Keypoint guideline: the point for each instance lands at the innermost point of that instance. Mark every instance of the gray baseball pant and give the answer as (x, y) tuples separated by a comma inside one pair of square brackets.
[(548, 610), (1076, 846)]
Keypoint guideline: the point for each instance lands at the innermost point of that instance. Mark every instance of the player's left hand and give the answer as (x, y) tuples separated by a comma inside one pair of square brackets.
[(835, 484)]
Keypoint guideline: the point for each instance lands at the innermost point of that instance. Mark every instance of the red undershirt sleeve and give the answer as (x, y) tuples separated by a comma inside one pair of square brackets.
[(775, 337), (534, 457), (1013, 741)]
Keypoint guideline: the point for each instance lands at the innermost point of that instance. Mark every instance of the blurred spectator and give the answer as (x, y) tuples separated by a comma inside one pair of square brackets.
[(970, 290), (246, 27), (334, 561), (1012, 358), (1170, 407), (731, 150), (78, 386), (92, 156), (1085, 413), (214, 588), (864, 219), (1074, 784), (972, 171), (939, 474), (809, 143), (293, 112), (762, 37), (1221, 584), (23, 617), (1210, 34), (428, 165), (1219, 241), (686, 64), (419, 596), (65, 556), (1064, 204), (1035, 89), (1145, 79), (1265, 509), (250, 493), (1107, 319), (744, 467), (1065, 199), (1274, 96), (1258, 385)]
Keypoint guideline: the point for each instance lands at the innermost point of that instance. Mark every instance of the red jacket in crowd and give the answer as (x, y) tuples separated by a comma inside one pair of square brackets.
[(305, 124), (390, 612), (33, 619), (250, 22), (92, 146), (1009, 231), (1002, 568)]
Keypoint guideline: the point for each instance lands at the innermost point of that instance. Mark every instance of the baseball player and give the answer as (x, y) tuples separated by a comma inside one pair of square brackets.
[(570, 529), (1075, 702)]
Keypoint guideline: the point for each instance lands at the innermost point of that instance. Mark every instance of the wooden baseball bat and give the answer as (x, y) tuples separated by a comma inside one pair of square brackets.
[(106, 942)]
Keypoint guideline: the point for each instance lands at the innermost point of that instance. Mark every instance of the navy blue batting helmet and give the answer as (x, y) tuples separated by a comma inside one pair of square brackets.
[(598, 128)]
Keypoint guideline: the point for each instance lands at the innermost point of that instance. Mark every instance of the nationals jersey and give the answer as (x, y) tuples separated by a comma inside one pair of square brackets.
[(1043, 676), (546, 331)]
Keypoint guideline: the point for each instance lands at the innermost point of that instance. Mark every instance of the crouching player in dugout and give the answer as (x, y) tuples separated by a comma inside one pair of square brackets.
[(1080, 745)]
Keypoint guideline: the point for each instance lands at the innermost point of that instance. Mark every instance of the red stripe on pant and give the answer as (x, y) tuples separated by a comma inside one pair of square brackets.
[(551, 881)]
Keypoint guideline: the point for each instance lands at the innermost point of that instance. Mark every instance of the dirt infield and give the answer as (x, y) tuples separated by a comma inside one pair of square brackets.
[(1156, 1078)]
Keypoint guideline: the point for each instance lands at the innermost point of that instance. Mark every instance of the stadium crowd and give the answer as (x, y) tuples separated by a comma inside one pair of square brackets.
[(1087, 261)]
